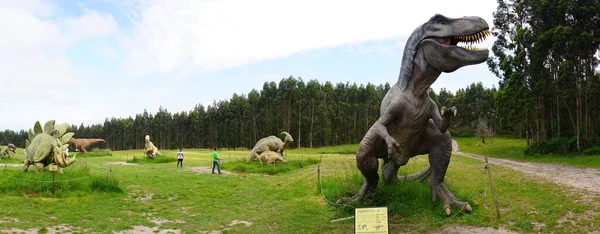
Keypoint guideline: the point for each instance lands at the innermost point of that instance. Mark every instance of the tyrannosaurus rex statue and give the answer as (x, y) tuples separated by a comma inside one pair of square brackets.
[(83, 144), (410, 123)]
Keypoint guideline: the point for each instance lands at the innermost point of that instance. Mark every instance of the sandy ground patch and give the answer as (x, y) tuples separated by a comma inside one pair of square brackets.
[(21, 231), (10, 165), (144, 229), (471, 229), (205, 170), (161, 221), (587, 179), (9, 220)]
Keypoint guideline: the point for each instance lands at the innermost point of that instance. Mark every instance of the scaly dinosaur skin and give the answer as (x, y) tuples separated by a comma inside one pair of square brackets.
[(410, 123), (149, 149), (47, 146), (270, 143), (83, 144), (10, 150), (270, 157)]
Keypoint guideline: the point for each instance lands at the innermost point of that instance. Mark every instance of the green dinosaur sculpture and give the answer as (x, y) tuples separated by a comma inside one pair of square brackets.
[(149, 149), (10, 150), (270, 157), (410, 122), (270, 143), (47, 146)]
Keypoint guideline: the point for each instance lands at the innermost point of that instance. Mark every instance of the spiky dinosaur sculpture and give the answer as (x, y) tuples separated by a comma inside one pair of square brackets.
[(10, 150), (410, 123), (83, 144), (149, 149), (270, 143), (270, 157), (47, 146)]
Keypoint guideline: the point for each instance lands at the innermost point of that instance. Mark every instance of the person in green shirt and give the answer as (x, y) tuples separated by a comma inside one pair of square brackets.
[(215, 160)]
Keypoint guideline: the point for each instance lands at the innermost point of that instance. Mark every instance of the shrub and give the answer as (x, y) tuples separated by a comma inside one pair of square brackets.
[(592, 151), (157, 159), (74, 181)]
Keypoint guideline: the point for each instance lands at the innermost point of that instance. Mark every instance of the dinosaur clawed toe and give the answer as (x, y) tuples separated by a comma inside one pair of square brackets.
[(448, 199)]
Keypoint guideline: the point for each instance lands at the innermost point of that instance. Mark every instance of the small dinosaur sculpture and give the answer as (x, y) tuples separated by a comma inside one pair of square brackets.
[(10, 150), (47, 146), (149, 149), (270, 143), (83, 144), (270, 157), (410, 123)]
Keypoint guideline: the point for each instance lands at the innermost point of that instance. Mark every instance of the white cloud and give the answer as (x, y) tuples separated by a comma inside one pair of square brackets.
[(33, 60), (203, 36), (92, 24), (37, 77)]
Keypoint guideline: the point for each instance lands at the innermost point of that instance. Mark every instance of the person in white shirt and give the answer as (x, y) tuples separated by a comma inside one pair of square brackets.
[(67, 153), (180, 158)]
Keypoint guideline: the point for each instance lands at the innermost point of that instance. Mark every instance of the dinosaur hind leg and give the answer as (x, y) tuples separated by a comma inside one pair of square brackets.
[(439, 158), (367, 164)]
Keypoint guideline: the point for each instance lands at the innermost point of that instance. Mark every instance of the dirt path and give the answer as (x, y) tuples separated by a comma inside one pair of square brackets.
[(587, 179)]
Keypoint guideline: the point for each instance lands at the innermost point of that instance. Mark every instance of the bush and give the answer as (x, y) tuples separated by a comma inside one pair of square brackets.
[(157, 159), (94, 154), (256, 167), (75, 181), (564, 146), (592, 151)]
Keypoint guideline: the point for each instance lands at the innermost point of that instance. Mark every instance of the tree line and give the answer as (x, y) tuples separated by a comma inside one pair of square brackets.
[(546, 56), (315, 114)]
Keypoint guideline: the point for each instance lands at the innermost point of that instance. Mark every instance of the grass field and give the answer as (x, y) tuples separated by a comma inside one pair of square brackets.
[(158, 196), (511, 148)]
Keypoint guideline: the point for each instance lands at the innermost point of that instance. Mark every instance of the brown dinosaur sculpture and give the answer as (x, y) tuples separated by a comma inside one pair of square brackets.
[(83, 144)]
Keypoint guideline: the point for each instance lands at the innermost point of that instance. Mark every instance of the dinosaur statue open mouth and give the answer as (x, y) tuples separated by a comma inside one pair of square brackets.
[(465, 41)]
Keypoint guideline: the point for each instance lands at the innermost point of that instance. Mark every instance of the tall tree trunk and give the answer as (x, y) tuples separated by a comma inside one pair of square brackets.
[(312, 121), (299, 125)]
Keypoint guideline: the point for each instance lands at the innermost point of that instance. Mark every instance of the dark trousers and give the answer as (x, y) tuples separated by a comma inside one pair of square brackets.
[(216, 164), (180, 162)]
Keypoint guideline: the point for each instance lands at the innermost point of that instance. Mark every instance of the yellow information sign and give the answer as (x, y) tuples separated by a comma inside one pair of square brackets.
[(371, 220), (53, 167)]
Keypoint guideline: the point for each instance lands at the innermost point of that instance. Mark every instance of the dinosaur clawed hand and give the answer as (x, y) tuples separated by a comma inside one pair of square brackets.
[(448, 199), (448, 112), (393, 146)]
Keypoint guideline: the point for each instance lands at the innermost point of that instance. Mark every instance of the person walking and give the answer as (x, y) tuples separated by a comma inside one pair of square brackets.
[(215, 160), (180, 158)]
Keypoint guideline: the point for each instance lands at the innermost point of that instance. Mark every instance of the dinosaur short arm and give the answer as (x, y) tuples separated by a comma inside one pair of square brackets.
[(438, 121), (390, 114)]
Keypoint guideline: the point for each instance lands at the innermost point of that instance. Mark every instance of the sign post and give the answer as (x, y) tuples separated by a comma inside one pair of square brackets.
[(371, 220), (53, 168)]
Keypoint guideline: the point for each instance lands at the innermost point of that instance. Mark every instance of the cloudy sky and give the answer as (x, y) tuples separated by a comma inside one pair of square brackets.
[(83, 61)]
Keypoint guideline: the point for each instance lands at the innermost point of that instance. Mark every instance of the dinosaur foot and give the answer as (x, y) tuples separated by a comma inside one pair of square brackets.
[(419, 176), (440, 191), (358, 197)]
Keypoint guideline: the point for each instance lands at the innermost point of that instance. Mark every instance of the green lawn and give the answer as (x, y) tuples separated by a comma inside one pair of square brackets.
[(160, 196), (511, 148)]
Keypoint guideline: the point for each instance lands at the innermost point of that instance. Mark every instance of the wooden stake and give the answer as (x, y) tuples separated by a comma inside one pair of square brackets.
[(110, 174), (492, 186)]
